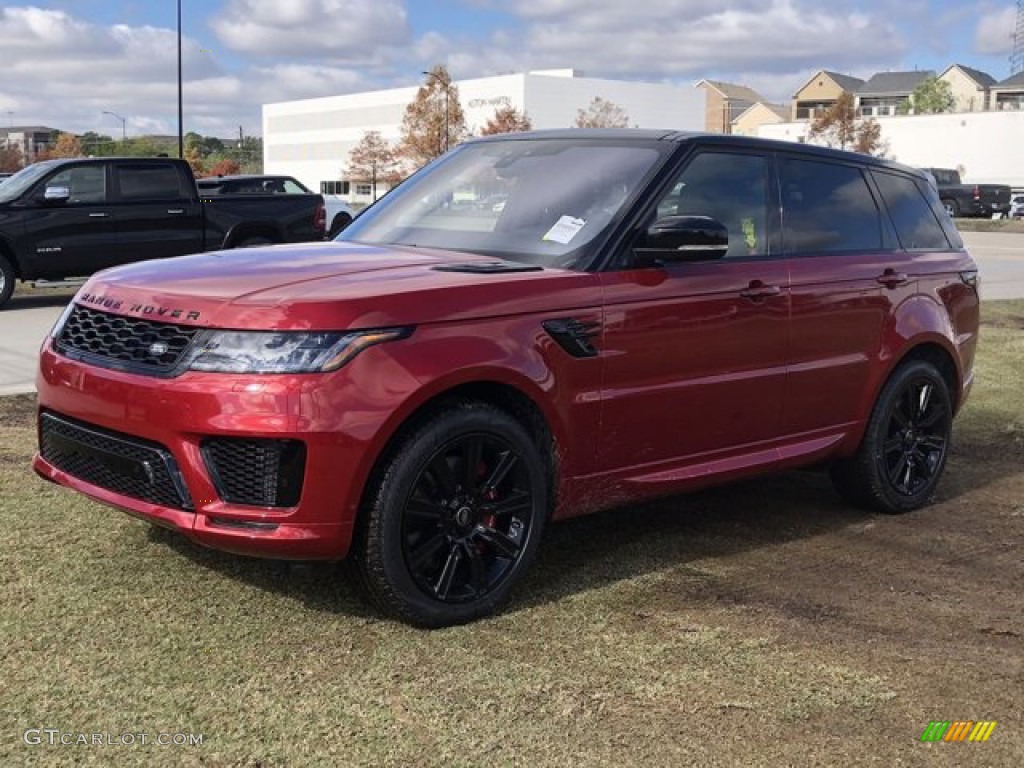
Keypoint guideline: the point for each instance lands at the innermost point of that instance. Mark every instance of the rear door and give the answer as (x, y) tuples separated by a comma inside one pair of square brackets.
[(159, 213), (847, 275), (72, 238), (695, 353)]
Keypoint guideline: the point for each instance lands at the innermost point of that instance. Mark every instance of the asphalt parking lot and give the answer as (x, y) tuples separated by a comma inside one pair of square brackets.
[(26, 320)]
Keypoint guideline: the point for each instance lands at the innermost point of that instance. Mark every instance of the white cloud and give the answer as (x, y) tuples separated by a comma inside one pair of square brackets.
[(341, 30), (994, 33)]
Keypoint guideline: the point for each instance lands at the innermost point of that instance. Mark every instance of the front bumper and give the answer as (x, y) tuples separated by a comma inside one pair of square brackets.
[(181, 414)]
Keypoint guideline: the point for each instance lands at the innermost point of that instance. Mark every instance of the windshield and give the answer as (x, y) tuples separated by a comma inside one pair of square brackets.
[(540, 201), (13, 187)]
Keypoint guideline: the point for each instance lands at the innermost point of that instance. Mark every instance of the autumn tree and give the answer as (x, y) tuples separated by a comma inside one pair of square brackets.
[(194, 157), (433, 122), (602, 114), (506, 120), (840, 128), (932, 96), (225, 167), (373, 160), (65, 145), (11, 159)]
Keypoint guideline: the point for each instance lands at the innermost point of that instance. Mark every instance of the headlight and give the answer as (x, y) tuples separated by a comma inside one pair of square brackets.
[(283, 352)]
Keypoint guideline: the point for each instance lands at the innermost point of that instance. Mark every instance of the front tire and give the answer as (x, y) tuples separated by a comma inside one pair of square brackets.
[(341, 221), (455, 518), (7, 279), (904, 450)]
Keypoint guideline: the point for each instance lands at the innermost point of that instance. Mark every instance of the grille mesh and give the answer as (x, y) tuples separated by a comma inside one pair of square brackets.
[(256, 472), (131, 343), (120, 463)]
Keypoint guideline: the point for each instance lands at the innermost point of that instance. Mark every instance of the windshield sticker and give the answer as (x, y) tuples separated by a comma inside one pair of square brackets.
[(565, 230)]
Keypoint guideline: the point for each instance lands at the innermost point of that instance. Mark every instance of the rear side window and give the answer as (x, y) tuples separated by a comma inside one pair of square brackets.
[(916, 225), (149, 182), (827, 208)]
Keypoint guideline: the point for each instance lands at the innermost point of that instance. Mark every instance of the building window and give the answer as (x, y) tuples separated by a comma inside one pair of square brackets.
[(334, 187), (364, 189)]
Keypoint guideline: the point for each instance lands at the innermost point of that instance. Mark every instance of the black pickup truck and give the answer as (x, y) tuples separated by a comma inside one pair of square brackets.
[(62, 219), (962, 199)]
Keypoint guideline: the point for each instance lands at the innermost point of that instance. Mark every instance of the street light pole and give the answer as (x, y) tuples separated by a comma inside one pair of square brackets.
[(181, 134), (114, 114)]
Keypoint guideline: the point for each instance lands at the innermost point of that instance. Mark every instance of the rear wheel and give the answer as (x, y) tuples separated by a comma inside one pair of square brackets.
[(456, 518), (952, 207), (904, 451), (7, 279)]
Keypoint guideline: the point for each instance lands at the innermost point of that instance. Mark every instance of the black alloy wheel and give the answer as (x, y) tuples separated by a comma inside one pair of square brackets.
[(456, 518), (905, 446)]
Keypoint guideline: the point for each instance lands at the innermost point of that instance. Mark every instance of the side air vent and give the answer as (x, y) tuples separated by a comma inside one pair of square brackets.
[(574, 336)]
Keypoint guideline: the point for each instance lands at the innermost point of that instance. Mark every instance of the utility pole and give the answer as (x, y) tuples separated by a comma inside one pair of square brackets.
[(1017, 57)]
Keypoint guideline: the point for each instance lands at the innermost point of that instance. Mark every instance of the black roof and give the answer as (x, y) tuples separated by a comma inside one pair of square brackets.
[(698, 137)]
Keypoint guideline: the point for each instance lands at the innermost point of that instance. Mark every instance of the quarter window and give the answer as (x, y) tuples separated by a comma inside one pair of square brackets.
[(728, 187), (827, 208), (915, 222)]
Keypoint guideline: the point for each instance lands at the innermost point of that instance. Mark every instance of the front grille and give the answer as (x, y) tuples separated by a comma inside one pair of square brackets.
[(126, 343), (120, 463), (256, 472)]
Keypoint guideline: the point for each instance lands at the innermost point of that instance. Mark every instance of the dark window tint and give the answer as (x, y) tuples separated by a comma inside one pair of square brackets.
[(730, 188), (149, 182), (86, 183), (916, 225), (827, 208)]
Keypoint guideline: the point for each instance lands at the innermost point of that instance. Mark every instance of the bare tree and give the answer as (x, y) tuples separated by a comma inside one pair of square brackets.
[(372, 160), (434, 121), (839, 127), (602, 114), (506, 120)]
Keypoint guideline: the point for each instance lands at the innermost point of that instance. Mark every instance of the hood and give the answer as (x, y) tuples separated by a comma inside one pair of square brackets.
[(333, 286)]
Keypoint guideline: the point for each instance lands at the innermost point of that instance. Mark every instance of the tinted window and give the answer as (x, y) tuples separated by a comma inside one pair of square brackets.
[(87, 183), (149, 182), (731, 188), (915, 223), (827, 208)]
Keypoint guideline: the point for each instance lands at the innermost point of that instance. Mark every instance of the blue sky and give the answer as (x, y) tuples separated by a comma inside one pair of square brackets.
[(66, 61)]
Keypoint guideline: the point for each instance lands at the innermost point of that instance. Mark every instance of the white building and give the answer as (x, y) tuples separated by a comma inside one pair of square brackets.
[(985, 147), (311, 139)]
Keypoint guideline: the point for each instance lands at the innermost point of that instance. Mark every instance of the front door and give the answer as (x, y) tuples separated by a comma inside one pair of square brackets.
[(72, 238), (695, 353)]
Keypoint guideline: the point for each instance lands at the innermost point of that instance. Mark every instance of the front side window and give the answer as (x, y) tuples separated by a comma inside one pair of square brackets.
[(731, 188), (87, 183), (916, 225), (541, 201), (827, 208)]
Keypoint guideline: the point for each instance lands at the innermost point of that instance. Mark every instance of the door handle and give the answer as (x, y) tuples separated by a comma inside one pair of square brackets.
[(173, 211), (892, 279), (99, 215), (758, 290)]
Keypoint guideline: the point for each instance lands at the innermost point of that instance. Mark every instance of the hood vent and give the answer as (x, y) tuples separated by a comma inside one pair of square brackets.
[(489, 267)]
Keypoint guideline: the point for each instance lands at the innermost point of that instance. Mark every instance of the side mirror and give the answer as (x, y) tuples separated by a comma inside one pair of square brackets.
[(682, 238), (57, 194)]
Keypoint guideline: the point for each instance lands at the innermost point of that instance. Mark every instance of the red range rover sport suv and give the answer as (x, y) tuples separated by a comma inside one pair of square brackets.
[(639, 314)]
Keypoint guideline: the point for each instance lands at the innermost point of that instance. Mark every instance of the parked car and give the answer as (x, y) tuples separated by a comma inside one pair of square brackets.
[(647, 313), (959, 199), (63, 219), (339, 213), (1017, 207)]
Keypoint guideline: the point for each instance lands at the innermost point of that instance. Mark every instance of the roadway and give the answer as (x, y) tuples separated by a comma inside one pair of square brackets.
[(28, 317)]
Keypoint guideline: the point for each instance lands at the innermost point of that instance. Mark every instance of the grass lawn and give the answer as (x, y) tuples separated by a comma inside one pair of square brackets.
[(765, 624)]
